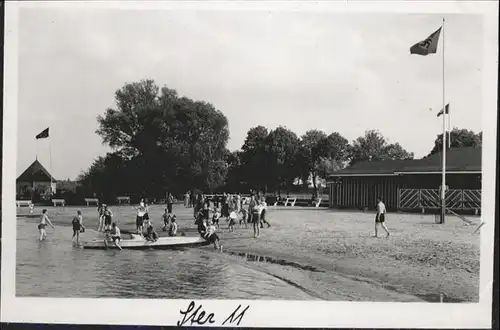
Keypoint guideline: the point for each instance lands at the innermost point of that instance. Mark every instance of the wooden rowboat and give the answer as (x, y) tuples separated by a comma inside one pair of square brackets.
[(137, 242)]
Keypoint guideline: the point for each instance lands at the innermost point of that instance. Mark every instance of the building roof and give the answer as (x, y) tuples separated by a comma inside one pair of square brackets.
[(35, 172), (457, 160)]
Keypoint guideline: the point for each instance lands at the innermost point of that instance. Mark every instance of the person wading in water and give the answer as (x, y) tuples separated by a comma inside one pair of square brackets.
[(77, 226), (43, 224)]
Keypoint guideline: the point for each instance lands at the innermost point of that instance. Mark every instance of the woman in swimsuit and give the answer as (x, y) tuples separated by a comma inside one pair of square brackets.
[(77, 225), (43, 223)]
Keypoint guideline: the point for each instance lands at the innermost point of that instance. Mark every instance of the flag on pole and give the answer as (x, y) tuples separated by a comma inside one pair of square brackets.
[(43, 134), (427, 46), (445, 110)]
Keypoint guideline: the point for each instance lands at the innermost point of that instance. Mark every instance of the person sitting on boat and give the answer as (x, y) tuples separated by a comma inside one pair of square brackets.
[(77, 225), (43, 224), (211, 236), (108, 215), (172, 230), (151, 234), (114, 236), (166, 220)]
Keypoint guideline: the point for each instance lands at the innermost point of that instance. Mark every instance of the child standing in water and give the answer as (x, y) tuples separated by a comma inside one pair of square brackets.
[(43, 224)]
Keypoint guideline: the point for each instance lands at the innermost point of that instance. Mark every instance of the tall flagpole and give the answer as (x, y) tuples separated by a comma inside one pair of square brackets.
[(50, 167), (449, 126), (443, 179)]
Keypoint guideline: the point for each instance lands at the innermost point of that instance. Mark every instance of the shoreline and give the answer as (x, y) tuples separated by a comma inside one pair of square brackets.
[(421, 261)]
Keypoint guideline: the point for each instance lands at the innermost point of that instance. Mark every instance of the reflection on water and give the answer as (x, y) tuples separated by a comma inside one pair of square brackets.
[(55, 268), (283, 262)]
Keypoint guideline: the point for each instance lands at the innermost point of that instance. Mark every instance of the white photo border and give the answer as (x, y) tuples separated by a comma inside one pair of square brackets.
[(260, 313)]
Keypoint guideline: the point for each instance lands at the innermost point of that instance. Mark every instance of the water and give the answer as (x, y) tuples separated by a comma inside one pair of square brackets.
[(57, 268)]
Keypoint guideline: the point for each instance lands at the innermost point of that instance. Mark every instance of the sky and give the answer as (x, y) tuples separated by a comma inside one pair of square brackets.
[(335, 72)]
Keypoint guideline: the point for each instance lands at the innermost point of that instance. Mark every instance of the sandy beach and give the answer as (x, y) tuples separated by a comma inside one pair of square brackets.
[(334, 256)]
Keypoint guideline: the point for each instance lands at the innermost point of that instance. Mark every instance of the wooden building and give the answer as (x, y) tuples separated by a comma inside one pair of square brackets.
[(35, 182), (410, 184)]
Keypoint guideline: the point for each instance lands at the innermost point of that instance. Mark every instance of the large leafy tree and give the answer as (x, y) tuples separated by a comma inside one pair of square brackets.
[(460, 138), (254, 158), (374, 146), (171, 143), (282, 151), (235, 180), (309, 155), (105, 177)]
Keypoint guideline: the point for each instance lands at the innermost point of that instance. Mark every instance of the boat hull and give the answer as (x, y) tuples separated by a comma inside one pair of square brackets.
[(138, 243)]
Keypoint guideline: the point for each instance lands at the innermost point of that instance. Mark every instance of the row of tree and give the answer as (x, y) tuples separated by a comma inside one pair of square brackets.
[(163, 142)]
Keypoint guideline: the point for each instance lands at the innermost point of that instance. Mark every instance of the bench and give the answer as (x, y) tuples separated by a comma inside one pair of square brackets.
[(62, 202), (23, 203), (91, 200), (123, 200)]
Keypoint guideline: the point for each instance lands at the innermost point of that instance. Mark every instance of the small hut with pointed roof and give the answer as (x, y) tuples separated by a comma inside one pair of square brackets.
[(35, 181)]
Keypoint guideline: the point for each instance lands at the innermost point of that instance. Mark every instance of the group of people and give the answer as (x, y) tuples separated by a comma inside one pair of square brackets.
[(230, 208), (77, 224)]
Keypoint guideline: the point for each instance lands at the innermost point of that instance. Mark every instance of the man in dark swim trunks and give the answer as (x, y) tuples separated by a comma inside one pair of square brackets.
[(43, 224), (380, 217), (108, 215)]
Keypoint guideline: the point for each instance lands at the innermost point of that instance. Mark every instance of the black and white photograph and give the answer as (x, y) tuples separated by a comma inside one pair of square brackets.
[(249, 163)]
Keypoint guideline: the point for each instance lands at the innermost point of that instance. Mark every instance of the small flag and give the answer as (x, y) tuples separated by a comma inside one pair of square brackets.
[(446, 110), (427, 46), (43, 134)]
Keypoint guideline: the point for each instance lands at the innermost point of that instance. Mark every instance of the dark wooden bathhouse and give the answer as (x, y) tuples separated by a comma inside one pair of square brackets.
[(410, 184)]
